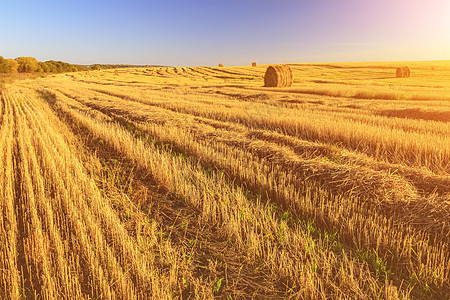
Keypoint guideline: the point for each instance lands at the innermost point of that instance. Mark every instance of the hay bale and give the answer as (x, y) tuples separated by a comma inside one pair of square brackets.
[(403, 72), (253, 64), (406, 72), (278, 76), (116, 72), (220, 65)]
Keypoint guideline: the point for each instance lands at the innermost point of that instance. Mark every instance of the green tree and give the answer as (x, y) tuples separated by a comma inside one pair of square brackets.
[(28, 64), (4, 66), (45, 68), (52, 67), (96, 67), (13, 65)]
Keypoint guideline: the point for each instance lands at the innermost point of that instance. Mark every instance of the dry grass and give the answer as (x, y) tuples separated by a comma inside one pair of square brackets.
[(199, 183)]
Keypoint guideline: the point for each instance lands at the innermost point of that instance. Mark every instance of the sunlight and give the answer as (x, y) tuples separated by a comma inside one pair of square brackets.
[(252, 149), (446, 22)]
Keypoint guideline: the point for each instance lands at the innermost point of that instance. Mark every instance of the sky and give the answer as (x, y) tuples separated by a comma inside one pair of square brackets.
[(232, 32)]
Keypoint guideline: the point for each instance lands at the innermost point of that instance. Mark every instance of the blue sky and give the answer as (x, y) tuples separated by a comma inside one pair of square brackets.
[(234, 32)]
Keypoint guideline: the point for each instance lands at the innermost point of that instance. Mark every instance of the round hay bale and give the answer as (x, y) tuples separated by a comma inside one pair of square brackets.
[(406, 72), (253, 64), (399, 73), (116, 72), (278, 76), (220, 65)]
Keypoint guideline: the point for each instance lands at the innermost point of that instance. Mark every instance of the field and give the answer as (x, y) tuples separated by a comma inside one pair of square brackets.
[(200, 183)]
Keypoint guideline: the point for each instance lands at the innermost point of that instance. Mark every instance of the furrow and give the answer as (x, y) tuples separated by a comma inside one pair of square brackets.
[(219, 204), (11, 281)]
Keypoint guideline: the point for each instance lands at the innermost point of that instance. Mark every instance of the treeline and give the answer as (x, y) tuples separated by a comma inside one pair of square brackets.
[(32, 65)]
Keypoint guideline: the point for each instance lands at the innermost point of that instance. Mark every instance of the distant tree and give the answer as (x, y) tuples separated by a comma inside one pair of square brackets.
[(13, 65), (66, 67), (45, 68), (28, 64), (4, 66), (31, 64), (52, 66), (39, 68), (81, 68), (58, 66), (96, 67)]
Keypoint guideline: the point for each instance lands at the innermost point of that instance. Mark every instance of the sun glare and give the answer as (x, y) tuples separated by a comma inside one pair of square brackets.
[(446, 20), (446, 26)]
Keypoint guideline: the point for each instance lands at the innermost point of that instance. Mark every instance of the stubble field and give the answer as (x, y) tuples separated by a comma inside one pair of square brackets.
[(200, 183)]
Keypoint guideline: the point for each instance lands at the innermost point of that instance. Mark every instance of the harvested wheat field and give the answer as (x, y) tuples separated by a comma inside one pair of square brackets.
[(201, 183)]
